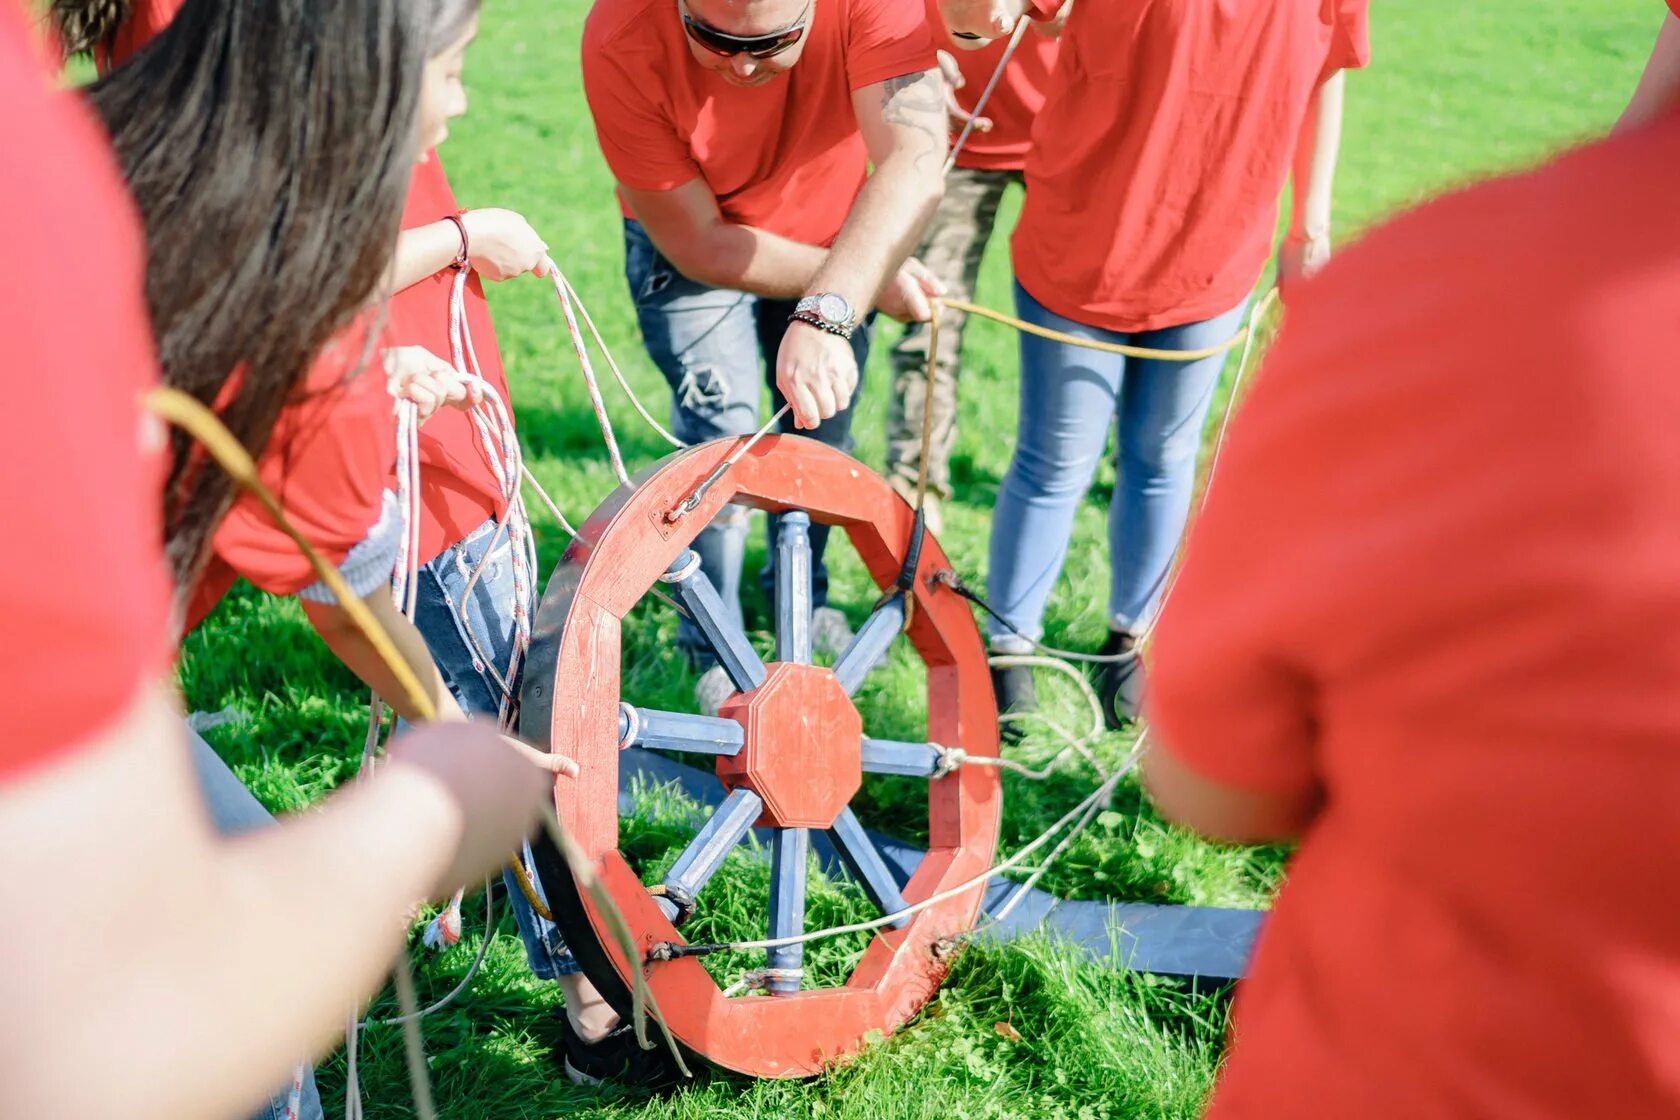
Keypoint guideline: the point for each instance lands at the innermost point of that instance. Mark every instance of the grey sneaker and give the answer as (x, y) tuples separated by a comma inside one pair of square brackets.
[(830, 632), (713, 688)]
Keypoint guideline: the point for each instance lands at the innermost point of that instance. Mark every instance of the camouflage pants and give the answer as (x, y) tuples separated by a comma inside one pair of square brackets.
[(956, 240)]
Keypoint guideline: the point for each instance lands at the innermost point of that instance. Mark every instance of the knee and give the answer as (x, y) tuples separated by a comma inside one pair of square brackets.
[(1160, 455)]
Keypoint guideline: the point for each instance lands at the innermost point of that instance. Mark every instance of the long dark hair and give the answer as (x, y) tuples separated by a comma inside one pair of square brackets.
[(269, 147)]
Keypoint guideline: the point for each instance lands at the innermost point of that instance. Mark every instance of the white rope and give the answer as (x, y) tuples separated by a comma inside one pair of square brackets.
[(758, 980), (1097, 796)]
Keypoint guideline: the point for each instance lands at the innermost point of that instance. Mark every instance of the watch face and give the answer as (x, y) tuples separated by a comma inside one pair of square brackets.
[(834, 308)]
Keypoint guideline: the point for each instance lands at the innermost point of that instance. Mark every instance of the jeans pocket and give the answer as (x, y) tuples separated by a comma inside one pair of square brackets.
[(702, 390)]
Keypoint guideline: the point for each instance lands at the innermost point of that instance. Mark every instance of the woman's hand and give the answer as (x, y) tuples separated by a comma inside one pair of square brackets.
[(502, 244), (415, 374)]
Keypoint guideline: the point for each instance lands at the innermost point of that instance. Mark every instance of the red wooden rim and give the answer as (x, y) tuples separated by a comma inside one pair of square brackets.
[(572, 695)]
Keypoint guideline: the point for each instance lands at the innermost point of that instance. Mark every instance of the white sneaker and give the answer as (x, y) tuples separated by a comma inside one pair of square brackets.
[(712, 689)]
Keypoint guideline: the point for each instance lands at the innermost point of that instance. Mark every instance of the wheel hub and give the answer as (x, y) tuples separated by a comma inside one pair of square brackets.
[(803, 747)]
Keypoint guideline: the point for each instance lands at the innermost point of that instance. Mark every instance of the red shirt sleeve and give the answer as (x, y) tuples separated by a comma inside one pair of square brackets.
[(86, 620), (621, 84), (329, 462), (1350, 38), (887, 39)]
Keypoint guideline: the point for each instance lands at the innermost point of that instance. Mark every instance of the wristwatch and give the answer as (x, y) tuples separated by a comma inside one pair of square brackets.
[(826, 311)]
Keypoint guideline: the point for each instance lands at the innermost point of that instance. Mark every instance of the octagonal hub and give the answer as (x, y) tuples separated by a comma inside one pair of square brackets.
[(804, 746)]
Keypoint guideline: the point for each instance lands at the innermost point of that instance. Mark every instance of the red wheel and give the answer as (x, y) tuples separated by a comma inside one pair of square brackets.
[(790, 744)]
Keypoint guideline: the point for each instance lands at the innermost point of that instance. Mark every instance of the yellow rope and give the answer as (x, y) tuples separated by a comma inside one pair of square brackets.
[(1094, 344), (204, 426), (201, 424)]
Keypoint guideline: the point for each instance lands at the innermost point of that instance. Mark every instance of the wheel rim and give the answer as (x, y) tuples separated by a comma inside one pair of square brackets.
[(790, 748)]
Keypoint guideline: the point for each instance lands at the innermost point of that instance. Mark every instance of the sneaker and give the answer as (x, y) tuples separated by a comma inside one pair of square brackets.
[(1016, 696), (713, 688), (1120, 683), (830, 632), (617, 1058)]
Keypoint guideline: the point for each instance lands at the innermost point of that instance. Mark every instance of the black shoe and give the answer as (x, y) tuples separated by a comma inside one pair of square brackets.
[(1120, 683), (617, 1059), (1015, 696)]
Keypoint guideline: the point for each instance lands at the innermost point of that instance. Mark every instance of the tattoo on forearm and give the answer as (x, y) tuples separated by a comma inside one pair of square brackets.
[(917, 101)]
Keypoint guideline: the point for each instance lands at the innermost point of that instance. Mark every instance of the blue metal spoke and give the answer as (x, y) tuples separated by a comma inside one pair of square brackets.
[(871, 643), (864, 861), (725, 636), (707, 851), (887, 756), (678, 731), (789, 848), (793, 588)]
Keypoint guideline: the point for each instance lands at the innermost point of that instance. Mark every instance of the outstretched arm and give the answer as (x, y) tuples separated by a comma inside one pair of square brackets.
[(143, 933)]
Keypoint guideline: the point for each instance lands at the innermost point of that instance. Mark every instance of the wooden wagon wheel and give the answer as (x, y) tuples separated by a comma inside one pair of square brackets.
[(790, 748)]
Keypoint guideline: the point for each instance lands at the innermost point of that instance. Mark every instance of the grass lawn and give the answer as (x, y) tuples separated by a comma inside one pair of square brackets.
[(1456, 91)]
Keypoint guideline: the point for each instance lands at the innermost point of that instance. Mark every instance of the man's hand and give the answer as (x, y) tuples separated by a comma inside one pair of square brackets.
[(908, 295), (954, 81), (494, 791), (414, 373), (1302, 256), (502, 245), (817, 373)]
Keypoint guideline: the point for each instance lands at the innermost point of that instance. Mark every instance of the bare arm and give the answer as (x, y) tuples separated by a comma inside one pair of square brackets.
[(692, 233), (1659, 84), (146, 938), (350, 646), (1307, 244), (904, 127), (501, 245), (1224, 812)]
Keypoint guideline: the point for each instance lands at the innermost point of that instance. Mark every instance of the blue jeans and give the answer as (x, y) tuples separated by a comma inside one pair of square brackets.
[(715, 347), (451, 621), (1069, 395), (234, 810)]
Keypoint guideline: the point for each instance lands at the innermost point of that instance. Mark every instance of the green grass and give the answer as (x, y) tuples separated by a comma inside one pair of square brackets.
[(1457, 91)]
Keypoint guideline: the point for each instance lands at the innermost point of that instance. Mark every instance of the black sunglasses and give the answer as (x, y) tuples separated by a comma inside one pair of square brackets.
[(755, 46)]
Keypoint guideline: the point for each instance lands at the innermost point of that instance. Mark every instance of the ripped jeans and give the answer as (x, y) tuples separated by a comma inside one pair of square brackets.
[(715, 346)]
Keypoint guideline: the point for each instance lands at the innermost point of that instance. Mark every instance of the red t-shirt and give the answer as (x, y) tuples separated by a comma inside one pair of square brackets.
[(786, 157), (1162, 149), (458, 488), (1438, 578), (1013, 104), (329, 461), (145, 19), (83, 592)]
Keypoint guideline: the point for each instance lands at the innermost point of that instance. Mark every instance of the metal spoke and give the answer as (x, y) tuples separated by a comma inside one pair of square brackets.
[(887, 756), (871, 643), (789, 848), (706, 852), (678, 731), (793, 588), (864, 861), (727, 639)]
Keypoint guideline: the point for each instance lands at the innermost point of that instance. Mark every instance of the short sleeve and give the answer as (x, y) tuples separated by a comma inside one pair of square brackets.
[(887, 39), (329, 462), (642, 148), (86, 620), (1350, 36)]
